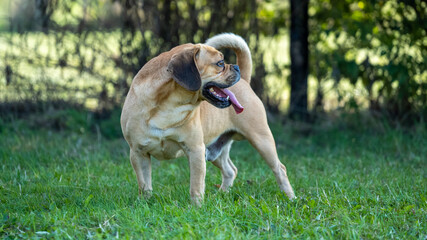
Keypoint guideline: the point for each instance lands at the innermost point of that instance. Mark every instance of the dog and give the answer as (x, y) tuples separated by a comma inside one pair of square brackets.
[(179, 105)]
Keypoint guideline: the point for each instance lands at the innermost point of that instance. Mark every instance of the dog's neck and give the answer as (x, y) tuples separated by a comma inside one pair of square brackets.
[(172, 106)]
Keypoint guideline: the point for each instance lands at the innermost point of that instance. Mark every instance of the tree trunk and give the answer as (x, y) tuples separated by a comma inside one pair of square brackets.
[(299, 59)]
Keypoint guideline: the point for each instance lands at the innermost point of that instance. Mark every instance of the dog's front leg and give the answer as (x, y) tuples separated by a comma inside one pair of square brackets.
[(196, 158), (141, 164)]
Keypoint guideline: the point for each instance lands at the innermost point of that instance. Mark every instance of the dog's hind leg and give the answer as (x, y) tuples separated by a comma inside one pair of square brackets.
[(253, 125), (141, 164), (263, 141), (224, 163)]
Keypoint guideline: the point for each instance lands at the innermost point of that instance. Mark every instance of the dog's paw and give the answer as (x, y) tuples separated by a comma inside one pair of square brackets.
[(147, 194), (197, 201), (290, 195)]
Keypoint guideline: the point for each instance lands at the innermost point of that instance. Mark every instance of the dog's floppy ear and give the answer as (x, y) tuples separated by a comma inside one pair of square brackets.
[(184, 69)]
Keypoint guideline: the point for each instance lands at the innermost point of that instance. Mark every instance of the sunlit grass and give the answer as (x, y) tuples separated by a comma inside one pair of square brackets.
[(41, 68), (36, 58)]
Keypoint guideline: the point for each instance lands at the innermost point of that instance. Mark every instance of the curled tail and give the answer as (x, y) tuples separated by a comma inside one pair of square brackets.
[(239, 46)]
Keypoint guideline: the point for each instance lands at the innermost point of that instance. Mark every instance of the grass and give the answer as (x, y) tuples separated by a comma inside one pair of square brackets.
[(351, 183)]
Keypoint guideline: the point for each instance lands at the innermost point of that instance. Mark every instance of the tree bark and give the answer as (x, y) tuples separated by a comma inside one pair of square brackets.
[(299, 59)]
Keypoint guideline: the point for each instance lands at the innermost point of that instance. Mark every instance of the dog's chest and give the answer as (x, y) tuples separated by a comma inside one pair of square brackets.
[(161, 144)]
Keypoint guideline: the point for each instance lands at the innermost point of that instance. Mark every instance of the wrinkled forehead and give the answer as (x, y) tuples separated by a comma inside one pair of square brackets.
[(208, 55)]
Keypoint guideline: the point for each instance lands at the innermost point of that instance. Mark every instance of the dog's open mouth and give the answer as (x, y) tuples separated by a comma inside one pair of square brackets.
[(221, 97)]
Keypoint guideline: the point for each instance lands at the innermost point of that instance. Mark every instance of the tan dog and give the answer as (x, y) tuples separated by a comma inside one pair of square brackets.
[(165, 115)]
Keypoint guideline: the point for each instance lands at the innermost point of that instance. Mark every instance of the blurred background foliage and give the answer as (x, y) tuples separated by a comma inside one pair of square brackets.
[(365, 56)]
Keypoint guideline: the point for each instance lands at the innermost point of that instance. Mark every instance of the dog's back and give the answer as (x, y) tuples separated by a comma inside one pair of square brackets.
[(239, 46)]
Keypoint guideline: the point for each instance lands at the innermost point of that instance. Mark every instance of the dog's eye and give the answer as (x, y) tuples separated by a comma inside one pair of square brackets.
[(220, 63)]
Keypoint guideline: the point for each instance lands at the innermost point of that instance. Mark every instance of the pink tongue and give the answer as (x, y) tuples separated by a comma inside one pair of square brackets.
[(236, 105)]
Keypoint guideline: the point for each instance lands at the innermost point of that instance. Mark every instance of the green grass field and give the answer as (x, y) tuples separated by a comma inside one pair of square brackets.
[(350, 182)]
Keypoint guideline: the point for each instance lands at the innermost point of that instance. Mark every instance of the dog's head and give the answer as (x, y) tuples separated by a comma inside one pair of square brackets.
[(202, 68)]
